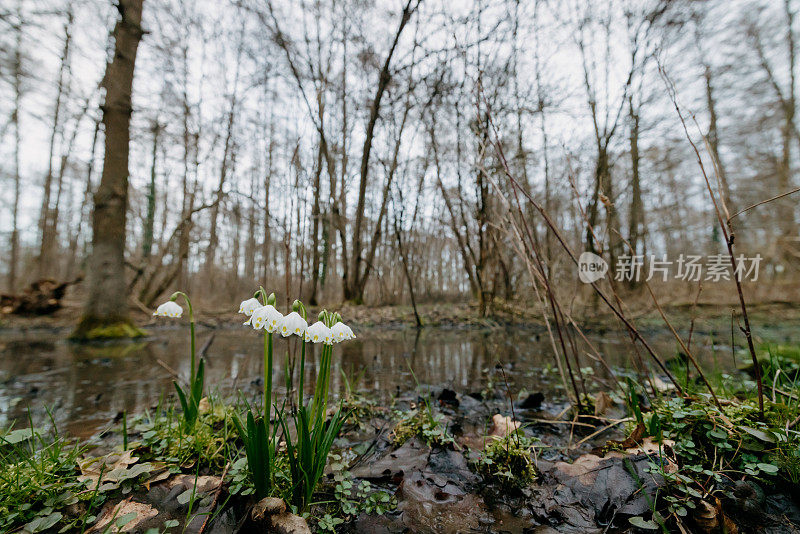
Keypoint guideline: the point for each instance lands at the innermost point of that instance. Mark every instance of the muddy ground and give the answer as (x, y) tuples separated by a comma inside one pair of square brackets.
[(579, 489)]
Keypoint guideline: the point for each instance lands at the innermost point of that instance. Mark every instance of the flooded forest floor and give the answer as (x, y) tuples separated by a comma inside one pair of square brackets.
[(458, 315), (464, 428)]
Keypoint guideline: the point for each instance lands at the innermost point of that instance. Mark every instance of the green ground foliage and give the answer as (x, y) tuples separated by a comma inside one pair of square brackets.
[(508, 461), (704, 448), (423, 423), (39, 482)]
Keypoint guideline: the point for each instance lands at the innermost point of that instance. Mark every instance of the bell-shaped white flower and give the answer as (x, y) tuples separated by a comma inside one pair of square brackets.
[(293, 323), (341, 332), (266, 317), (257, 319), (319, 333), (168, 309), (248, 306)]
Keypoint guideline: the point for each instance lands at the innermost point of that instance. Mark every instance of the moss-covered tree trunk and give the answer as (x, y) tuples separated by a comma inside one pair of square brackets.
[(106, 313)]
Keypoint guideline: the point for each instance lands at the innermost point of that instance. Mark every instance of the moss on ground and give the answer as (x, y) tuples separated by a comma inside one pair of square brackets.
[(93, 329)]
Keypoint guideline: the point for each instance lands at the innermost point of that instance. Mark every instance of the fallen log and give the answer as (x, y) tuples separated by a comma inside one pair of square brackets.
[(42, 297)]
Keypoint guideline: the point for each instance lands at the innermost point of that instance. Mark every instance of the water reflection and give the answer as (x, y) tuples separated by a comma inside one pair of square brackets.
[(85, 386)]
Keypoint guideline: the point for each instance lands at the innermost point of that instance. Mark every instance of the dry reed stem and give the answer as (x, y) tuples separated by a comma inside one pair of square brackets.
[(727, 232), (562, 242)]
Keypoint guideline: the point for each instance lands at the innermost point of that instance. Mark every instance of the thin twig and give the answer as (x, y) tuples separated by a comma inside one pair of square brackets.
[(206, 345), (562, 422), (607, 427), (167, 368), (776, 197)]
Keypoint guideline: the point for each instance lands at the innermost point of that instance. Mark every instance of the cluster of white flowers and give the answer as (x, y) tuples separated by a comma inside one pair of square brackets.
[(266, 317), (168, 309), (271, 320)]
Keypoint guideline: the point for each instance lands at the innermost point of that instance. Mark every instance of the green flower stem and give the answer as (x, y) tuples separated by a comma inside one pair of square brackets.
[(326, 384), (267, 375), (267, 389), (321, 390), (267, 361), (318, 389), (302, 372), (191, 345), (173, 298)]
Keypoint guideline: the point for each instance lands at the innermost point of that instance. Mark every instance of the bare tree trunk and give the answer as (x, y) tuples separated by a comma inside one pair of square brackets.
[(14, 240), (187, 197), (50, 237), (44, 261), (785, 207), (149, 223), (72, 260), (713, 140), (541, 96), (227, 157), (250, 244), (401, 247), (107, 304), (482, 218), (454, 225), (636, 227), (213, 239), (237, 237), (384, 203), (315, 223), (354, 286), (266, 243)]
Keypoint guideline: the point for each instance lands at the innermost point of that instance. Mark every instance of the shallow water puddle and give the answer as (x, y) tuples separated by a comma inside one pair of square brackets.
[(86, 386)]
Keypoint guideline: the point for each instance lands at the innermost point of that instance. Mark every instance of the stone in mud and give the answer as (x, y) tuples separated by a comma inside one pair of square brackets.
[(271, 514), (559, 506), (267, 507), (434, 491), (477, 395), (470, 404), (451, 464), (503, 426), (110, 513), (752, 509), (592, 491), (448, 397), (289, 524), (532, 402), (431, 503), (411, 456), (609, 483)]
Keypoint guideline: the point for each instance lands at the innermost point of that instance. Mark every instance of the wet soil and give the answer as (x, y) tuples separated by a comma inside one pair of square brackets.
[(438, 491)]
